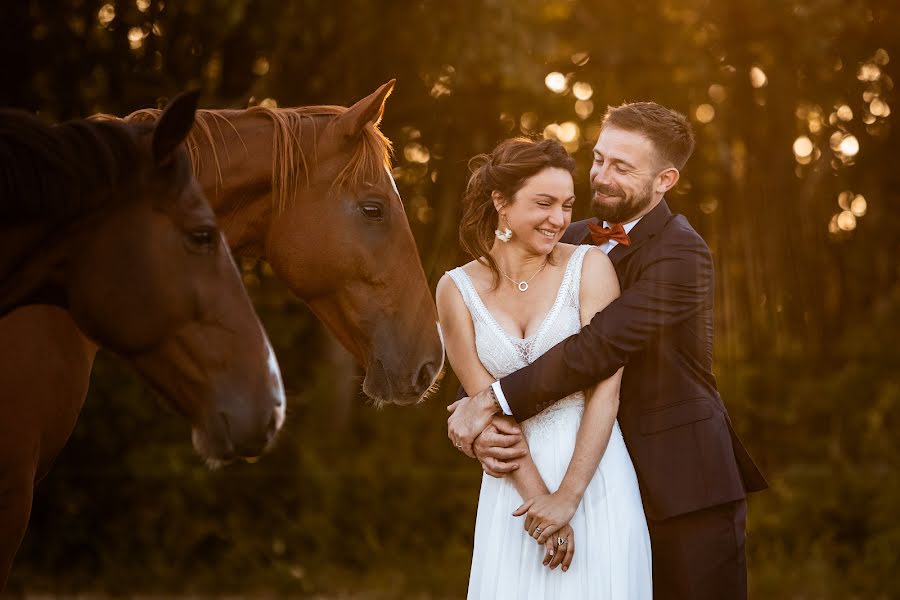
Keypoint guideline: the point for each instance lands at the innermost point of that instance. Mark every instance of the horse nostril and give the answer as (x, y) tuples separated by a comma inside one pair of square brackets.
[(272, 428), (425, 377)]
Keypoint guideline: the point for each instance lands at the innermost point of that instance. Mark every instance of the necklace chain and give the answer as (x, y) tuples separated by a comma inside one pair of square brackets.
[(523, 285)]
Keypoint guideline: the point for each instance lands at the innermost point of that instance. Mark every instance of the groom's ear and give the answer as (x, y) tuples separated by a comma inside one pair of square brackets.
[(667, 179)]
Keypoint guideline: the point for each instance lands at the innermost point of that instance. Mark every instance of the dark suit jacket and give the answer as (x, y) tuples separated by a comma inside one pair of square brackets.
[(679, 435)]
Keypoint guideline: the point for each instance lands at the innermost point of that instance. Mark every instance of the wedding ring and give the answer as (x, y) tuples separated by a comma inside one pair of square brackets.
[(538, 530), (561, 541), (459, 446)]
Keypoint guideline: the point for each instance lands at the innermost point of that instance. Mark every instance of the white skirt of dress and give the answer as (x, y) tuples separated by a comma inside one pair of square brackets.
[(612, 545)]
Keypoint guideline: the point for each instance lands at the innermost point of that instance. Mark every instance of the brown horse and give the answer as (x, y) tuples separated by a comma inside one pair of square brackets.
[(308, 189), (107, 221)]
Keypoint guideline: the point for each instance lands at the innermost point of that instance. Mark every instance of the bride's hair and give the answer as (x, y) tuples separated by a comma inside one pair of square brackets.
[(504, 170)]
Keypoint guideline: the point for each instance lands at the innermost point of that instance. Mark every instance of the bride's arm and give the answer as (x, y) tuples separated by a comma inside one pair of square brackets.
[(459, 341), (599, 287)]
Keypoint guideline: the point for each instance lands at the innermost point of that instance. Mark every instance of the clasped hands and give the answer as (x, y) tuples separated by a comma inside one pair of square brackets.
[(497, 443), (548, 520)]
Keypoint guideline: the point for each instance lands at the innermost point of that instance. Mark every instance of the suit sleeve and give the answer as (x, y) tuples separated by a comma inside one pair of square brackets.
[(673, 286)]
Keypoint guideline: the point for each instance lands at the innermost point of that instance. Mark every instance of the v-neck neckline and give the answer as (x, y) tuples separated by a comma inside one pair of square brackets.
[(515, 338)]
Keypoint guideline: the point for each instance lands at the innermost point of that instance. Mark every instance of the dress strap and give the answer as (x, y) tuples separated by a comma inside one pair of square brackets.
[(573, 275), (467, 290)]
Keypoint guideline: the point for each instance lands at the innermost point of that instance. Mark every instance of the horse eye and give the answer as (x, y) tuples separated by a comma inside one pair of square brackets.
[(372, 211), (203, 239)]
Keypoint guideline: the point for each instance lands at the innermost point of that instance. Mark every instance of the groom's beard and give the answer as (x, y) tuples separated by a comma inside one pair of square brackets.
[(623, 207)]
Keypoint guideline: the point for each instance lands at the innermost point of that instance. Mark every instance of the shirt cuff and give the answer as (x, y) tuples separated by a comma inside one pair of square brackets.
[(498, 391)]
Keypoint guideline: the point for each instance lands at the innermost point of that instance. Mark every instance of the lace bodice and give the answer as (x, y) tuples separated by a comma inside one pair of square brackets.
[(502, 353)]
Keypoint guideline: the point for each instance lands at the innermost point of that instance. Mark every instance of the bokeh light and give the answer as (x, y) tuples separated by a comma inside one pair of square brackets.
[(717, 92), (858, 207), (758, 77), (844, 199), (846, 221), (556, 82), (568, 132), (416, 153), (879, 108), (705, 113), (136, 37), (584, 108), (582, 90), (849, 146), (869, 72), (803, 147), (106, 14)]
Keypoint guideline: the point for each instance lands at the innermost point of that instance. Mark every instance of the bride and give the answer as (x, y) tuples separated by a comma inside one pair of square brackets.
[(524, 293)]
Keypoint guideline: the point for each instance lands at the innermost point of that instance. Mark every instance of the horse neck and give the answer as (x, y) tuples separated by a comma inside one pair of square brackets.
[(33, 256), (234, 164)]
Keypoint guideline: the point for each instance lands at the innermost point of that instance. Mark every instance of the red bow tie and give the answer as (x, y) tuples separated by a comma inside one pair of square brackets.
[(601, 235)]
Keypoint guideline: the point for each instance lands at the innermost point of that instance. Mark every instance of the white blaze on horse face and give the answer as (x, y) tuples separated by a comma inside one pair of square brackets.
[(443, 348), (277, 386), (393, 183)]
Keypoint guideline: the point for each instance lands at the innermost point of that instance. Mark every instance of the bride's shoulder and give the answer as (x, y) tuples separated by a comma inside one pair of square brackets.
[(448, 293), (597, 267)]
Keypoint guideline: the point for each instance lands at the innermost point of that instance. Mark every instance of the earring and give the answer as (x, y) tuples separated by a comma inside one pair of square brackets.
[(503, 235)]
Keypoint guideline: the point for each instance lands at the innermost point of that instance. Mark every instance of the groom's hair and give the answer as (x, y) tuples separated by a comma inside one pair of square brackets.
[(668, 130)]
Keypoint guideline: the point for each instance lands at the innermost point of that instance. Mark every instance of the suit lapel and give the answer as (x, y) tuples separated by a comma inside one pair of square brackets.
[(652, 223)]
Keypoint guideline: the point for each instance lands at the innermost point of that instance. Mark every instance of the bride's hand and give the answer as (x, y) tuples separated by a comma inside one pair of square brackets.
[(547, 513), (560, 549)]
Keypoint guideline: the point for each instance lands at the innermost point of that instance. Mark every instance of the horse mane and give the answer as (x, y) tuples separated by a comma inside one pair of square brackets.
[(58, 172), (371, 155)]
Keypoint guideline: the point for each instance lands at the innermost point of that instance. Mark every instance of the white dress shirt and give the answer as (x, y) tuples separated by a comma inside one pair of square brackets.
[(606, 247)]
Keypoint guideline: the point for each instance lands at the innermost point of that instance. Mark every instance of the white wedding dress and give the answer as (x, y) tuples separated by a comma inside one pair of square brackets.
[(612, 545)]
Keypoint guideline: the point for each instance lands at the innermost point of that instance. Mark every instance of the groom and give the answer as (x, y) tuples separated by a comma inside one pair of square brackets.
[(693, 471)]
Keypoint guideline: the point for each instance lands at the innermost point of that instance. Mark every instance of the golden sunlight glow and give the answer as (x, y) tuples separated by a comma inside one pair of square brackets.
[(844, 113), (869, 72), (705, 113), (803, 147), (556, 82), (717, 92), (136, 37), (142, 5), (846, 221), (582, 90), (106, 14), (758, 77), (568, 132), (858, 206), (416, 153), (849, 146), (584, 108)]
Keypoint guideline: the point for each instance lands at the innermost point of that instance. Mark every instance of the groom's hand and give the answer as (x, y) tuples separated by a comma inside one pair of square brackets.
[(469, 417), (498, 447)]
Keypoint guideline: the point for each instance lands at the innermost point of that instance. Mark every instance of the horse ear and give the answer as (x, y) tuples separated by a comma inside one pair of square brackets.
[(174, 126), (367, 110)]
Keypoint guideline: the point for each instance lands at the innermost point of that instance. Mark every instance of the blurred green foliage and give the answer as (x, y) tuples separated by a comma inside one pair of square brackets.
[(808, 290)]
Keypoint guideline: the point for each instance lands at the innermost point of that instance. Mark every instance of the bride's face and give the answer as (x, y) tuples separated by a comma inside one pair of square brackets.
[(541, 210)]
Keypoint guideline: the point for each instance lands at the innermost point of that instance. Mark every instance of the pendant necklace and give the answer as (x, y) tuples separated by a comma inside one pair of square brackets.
[(523, 285)]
